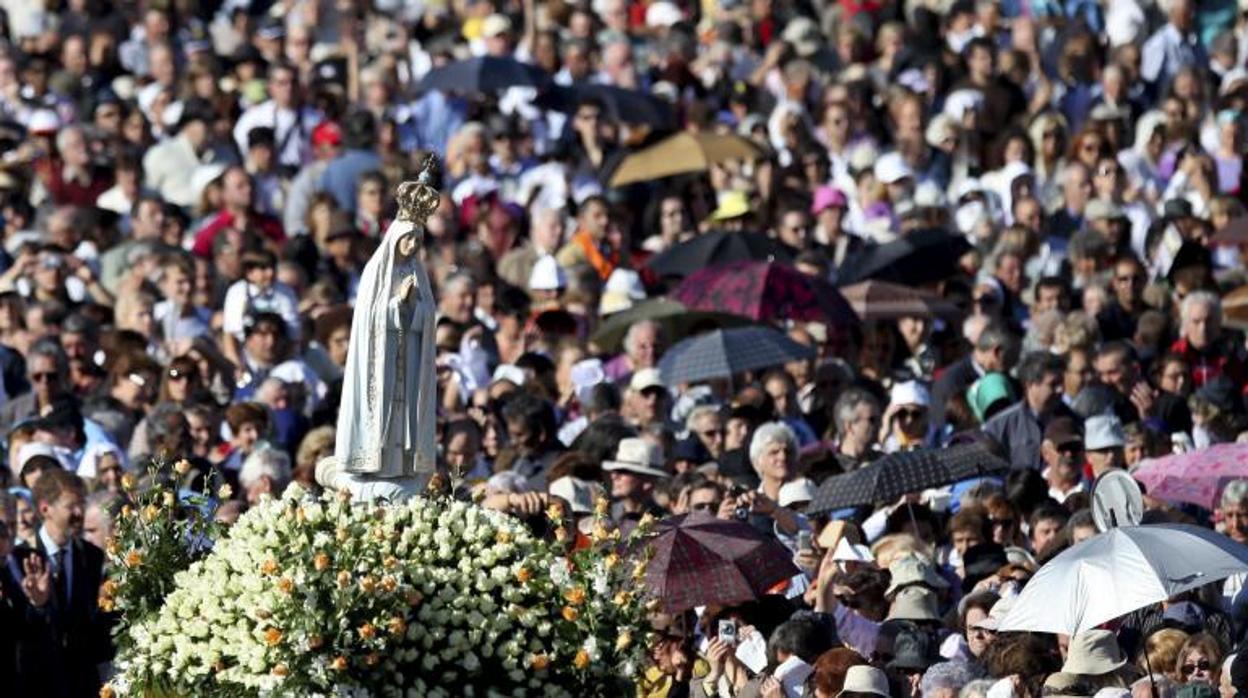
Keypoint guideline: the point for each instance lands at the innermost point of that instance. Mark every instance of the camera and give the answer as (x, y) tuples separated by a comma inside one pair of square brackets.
[(804, 542), (728, 631), (741, 513)]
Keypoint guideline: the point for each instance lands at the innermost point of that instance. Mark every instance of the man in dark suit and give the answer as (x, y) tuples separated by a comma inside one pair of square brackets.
[(63, 637), (990, 353)]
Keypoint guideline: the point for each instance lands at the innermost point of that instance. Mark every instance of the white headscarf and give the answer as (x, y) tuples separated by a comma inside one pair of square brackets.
[(381, 330)]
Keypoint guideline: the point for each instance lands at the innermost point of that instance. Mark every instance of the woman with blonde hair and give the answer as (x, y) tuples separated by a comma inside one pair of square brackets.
[(1161, 651)]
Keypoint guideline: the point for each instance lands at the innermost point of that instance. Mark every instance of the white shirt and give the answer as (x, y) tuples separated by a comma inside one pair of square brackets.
[(297, 149), (51, 548), (242, 296)]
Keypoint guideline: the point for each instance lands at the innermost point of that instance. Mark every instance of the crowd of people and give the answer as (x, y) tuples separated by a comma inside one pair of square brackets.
[(189, 192)]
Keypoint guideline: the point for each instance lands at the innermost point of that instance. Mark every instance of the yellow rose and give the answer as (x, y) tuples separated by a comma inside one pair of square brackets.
[(269, 567), (601, 506), (286, 585), (390, 562), (523, 575), (647, 520), (581, 660), (622, 598), (225, 492), (502, 537), (301, 515), (106, 691), (600, 533), (111, 547), (639, 570), (320, 562), (367, 584), (570, 614), (341, 535), (623, 641), (128, 482), (344, 579), (150, 513), (575, 596), (611, 561), (554, 512), (182, 467), (389, 584), (272, 636), (281, 670), (561, 534), (106, 604), (167, 499)]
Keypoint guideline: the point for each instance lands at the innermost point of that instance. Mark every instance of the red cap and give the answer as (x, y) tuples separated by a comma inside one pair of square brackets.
[(326, 133)]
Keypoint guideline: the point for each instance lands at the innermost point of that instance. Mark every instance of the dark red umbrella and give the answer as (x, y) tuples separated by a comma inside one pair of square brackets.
[(765, 292), (700, 559)]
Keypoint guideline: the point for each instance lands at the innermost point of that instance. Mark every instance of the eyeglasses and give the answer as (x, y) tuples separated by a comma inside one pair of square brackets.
[(42, 377), (1202, 665)]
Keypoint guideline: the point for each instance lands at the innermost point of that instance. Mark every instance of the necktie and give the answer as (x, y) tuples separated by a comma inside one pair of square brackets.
[(61, 579)]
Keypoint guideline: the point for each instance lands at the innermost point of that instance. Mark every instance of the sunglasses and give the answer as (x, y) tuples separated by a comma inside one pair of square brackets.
[(910, 414), (43, 376), (178, 375), (1202, 665)]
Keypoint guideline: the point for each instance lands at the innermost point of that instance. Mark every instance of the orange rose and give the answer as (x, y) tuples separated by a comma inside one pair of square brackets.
[(368, 631), (575, 596), (581, 660), (570, 614), (272, 636), (320, 562), (134, 558), (339, 663), (281, 670), (539, 661), (269, 567), (523, 575)]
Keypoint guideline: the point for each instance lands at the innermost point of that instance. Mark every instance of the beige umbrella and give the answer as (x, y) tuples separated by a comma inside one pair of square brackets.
[(680, 154), (882, 300), (1235, 308)]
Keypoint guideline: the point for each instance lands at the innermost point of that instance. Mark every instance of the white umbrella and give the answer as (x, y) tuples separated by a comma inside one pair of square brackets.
[(1120, 571)]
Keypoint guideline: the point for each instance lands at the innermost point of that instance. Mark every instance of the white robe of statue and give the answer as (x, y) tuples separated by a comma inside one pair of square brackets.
[(389, 394)]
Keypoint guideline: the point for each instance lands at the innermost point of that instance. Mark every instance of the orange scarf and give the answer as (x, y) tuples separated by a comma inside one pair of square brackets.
[(601, 263)]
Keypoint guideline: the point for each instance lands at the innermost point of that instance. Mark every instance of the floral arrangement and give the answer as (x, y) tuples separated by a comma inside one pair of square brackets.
[(322, 596), (156, 534)]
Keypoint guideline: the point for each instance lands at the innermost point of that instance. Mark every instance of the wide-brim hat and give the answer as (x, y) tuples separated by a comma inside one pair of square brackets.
[(913, 569), (1093, 653), (637, 456), (916, 604), (864, 678)]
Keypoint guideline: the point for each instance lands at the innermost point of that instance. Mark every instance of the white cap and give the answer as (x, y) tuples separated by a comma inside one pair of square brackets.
[(509, 372), (892, 168), (547, 275), (585, 375), (910, 393), (796, 492), (929, 195), (43, 121), (576, 492), (851, 552), (621, 292), (662, 14), (647, 378), (494, 25), (962, 101), (37, 448), (1103, 431)]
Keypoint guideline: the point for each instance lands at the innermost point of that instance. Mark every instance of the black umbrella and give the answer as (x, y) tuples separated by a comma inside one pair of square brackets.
[(921, 257), (719, 247), (897, 474), (483, 74), (629, 106), (725, 353), (677, 320)]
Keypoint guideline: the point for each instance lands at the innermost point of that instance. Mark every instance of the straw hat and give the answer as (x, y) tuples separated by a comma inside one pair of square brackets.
[(638, 456)]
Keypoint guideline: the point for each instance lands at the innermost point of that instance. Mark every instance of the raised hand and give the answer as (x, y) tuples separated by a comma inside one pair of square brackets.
[(37, 580)]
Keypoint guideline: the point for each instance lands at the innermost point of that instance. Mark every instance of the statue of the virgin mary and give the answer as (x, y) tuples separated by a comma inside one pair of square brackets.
[(386, 440)]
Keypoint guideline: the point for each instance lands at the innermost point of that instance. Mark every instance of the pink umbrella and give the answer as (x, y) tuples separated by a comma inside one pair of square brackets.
[(1197, 477)]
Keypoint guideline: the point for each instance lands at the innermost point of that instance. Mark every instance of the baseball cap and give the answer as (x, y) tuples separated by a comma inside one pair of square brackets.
[(826, 197), (495, 25), (326, 133), (910, 393), (1104, 431), (647, 378), (892, 168), (1062, 432)]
